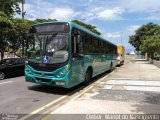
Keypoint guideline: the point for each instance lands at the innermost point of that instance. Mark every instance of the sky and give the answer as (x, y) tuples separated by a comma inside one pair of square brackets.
[(115, 19)]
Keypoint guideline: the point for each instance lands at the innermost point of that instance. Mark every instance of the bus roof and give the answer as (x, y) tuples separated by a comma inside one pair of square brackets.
[(72, 24)]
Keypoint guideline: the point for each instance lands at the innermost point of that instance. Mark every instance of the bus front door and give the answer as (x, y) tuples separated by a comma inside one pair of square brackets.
[(77, 69), (77, 58)]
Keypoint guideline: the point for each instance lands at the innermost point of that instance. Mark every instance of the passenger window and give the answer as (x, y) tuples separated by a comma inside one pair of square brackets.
[(88, 46), (95, 45), (77, 43)]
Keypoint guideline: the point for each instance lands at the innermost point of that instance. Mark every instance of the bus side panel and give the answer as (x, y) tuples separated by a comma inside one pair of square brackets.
[(77, 73), (95, 62), (114, 60), (105, 62)]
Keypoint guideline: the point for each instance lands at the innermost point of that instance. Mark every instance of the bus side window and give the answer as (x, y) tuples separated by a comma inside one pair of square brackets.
[(96, 45), (88, 47), (77, 43)]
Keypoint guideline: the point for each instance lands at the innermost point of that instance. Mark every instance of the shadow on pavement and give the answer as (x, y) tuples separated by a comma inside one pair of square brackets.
[(152, 106)]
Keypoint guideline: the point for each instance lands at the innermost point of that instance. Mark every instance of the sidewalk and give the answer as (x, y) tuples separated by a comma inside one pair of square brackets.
[(133, 88)]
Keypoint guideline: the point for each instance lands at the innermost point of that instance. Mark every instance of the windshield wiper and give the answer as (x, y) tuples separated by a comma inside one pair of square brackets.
[(51, 38)]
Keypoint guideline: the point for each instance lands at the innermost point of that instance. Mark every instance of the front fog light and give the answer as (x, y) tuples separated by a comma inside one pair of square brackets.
[(63, 72)]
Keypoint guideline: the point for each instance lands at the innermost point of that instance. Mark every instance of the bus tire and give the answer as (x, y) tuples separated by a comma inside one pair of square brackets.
[(88, 76), (111, 67), (2, 75)]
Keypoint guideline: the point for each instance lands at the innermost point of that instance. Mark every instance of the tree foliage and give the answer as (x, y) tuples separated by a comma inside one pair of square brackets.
[(151, 45), (18, 35), (5, 27), (13, 35), (147, 39), (149, 29), (87, 26), (44, 20), (10, 7)]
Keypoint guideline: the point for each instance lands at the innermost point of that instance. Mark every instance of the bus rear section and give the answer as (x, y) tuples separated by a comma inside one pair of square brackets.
[(121, 53)]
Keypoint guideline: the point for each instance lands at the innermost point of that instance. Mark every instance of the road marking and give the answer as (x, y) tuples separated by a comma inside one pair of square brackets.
[(52, 111), (57, 100), (135, 82), (141, 88), (42, 108), (108, 87), (5, 82), (126, 78)]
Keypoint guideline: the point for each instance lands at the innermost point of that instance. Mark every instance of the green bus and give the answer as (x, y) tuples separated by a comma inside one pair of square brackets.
[(65, 54)]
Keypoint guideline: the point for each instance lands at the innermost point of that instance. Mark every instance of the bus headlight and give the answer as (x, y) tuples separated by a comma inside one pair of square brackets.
[(61, 73), (64, 71)]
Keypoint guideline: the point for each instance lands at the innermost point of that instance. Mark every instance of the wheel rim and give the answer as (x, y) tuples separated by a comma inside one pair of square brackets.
[(2, 75)]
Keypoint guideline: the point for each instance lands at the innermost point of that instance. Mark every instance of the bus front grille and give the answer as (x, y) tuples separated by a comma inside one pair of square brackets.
[(43, 80)]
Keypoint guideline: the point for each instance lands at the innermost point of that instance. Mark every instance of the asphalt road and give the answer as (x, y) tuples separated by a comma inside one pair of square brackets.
[(20, 97)]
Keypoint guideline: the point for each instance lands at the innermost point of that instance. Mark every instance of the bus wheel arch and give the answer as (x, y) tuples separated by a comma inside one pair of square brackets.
[(88, 75)]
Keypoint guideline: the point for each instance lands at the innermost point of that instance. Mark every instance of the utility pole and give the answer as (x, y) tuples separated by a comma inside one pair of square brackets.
[(23, 12)]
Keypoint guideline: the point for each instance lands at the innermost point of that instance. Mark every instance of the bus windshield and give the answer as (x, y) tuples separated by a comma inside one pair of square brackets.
[(49, 48)]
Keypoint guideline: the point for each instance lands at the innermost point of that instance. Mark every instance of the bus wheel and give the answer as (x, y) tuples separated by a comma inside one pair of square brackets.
[(2, 75), (88, 77), (111, 67)]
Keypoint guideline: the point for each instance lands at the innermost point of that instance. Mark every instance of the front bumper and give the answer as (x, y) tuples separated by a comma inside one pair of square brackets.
[(48, 80)]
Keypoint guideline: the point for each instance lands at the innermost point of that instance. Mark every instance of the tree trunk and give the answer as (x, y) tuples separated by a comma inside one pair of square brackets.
[(2, 54)]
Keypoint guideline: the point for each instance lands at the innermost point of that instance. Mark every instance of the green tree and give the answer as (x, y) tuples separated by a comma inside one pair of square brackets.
[(44, 20), (10, 7), (149, 29), (87, 26), (5, 27), (18, 35), (151, 45)]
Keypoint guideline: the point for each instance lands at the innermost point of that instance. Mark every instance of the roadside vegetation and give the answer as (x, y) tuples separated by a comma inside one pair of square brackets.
[(13, 31), (147, 39)]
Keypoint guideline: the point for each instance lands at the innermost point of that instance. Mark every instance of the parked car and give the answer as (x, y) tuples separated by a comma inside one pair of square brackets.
[(11, 67)]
